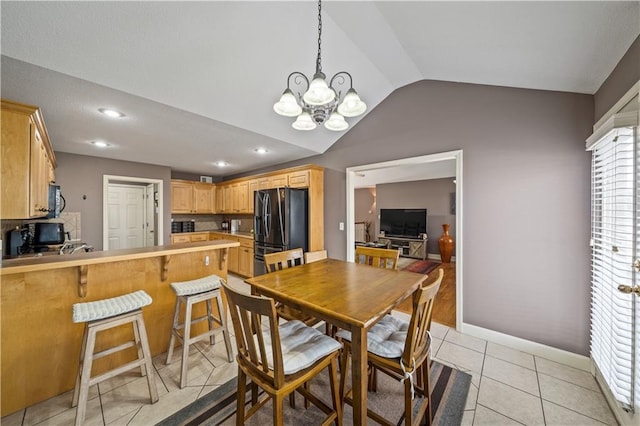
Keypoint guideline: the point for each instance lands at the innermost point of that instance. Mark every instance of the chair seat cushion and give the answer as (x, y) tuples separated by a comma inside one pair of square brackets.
[(386, 338), (200, 285), (91, 311), (301, 346)]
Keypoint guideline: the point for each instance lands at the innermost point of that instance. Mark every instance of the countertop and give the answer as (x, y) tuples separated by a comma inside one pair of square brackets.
[(240, 234), (43, 263)]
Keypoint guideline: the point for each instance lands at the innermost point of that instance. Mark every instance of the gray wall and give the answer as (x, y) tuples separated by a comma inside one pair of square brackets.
[(432, 195), (621, 79), (80, 175), (526, 197)]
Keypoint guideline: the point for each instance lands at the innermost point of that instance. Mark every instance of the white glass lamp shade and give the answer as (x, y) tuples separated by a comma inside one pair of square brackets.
[(287, 105), (319, 92), (351, 105), (304, 122), (336, 122)]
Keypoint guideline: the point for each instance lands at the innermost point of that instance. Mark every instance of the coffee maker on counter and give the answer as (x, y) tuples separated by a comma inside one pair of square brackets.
[(225, 224), (18, 241)]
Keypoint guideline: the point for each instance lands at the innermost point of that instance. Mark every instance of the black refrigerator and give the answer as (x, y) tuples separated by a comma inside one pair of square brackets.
[(280, 223)]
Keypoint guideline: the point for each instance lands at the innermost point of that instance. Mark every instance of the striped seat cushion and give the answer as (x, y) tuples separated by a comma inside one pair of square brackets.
[(200, 285), (301, 346), (91, 311), (386, 338)]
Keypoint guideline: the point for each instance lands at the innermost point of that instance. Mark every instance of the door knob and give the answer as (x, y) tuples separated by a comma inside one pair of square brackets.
[(628, 289)]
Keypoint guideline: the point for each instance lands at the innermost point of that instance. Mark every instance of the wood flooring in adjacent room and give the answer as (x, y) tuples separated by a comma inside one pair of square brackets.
[(444, 308)]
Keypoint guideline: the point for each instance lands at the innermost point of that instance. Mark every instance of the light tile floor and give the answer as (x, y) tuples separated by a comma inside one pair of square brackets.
[(508, 387)]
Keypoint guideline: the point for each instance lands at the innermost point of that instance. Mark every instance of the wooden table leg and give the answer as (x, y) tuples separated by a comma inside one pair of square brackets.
[(359, 374)]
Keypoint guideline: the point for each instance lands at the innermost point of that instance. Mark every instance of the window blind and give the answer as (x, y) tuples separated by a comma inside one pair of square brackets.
[(614, 242)]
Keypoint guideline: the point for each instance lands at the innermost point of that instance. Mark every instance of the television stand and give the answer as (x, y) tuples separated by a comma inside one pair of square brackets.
[(409, 247)]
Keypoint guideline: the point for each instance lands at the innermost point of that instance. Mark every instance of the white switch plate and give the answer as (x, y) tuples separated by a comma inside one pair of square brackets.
[(206, 260), (341, 226)]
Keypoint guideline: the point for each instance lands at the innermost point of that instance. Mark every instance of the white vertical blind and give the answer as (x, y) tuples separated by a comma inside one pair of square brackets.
[(614, 240)]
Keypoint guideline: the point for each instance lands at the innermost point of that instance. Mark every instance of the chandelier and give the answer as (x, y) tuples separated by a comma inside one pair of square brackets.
[(321, 103)]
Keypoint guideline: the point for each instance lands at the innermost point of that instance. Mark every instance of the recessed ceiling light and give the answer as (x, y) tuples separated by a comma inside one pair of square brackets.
[(100, 144), (221, 163), (261, 150), (111, 112)]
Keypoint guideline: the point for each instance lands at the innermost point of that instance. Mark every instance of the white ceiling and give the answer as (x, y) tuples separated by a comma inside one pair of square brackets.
[(197, 80)]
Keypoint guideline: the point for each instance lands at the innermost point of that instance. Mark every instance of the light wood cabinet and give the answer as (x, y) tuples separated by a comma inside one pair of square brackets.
[(204, 198), (176, 239), (181, 197), (192, 197), (189, 237), (27, 162), (245, 258), (278, 181), (299, 179), (241, 197)]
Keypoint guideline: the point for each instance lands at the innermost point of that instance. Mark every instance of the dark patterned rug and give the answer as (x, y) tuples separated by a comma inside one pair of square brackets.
[(448, 396), (421, 266)]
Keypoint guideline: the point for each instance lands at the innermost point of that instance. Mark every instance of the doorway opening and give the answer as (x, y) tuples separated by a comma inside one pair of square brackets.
[(132, 212), (446, 164)]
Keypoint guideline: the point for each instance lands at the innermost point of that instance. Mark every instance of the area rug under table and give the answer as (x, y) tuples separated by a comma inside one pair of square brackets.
[(448, 396)]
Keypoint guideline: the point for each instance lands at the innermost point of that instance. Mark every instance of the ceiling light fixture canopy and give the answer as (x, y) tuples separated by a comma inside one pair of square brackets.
[(321, 102)]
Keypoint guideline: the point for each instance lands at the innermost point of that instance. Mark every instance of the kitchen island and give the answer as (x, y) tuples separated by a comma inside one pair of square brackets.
[(40, 344)]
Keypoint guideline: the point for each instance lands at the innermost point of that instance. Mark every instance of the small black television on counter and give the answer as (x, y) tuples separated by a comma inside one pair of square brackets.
[(407, 223)]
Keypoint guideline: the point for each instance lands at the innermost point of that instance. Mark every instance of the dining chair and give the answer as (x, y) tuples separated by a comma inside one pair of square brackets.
[(401, 350), (314, 256), (283, 260), (279, 359), (382, 258)]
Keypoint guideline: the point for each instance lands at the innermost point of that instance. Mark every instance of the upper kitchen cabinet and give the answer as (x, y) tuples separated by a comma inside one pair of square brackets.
[(204, 195), (192, 197), (28, 162)]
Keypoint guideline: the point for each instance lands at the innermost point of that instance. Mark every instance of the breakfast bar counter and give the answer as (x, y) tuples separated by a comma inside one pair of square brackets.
[(40, 343)]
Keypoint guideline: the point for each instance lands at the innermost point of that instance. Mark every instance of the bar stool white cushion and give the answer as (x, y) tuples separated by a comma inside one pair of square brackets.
[(91, 311), (301, 346), (200, 285), (386, 338)]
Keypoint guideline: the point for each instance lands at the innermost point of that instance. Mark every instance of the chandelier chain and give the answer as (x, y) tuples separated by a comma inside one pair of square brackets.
[(318, 62)]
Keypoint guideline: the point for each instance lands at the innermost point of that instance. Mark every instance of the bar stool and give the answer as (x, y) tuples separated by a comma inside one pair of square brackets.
[(189, 293), (102, 315)]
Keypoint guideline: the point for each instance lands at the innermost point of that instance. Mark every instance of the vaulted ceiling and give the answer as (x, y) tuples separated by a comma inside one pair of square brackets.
[(197, 80)]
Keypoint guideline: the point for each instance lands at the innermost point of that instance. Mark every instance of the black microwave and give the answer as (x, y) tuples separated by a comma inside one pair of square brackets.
[(57, 202)]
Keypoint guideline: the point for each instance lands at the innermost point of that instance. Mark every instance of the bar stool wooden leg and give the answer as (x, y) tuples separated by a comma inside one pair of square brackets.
[(225, 329), (146, 353), (85, 377), (186, 342), (212, 338), (76, 390), (174, 328)]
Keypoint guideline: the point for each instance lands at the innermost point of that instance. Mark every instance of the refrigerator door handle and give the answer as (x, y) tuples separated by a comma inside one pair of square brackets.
[(267, 215), (283, 236)]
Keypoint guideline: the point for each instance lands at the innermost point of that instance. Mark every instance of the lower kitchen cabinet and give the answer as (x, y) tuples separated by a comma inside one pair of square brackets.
[(245, 258)]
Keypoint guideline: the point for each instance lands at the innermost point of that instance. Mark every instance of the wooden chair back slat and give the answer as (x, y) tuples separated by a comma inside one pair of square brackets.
[(417, 342), (248, 314), (283, 260), (379, 257)]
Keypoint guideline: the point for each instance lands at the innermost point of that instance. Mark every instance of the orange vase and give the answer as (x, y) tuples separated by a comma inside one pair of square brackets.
[(445, 244)]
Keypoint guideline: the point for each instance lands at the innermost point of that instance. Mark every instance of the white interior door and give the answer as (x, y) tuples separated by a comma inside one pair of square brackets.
[(126, 210), (150, 215)]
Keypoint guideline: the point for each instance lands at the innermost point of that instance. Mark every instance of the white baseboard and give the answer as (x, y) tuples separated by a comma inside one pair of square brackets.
[(554, 354)]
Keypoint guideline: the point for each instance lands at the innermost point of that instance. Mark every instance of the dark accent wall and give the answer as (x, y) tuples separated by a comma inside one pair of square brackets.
[(80, 175), (621, 79)]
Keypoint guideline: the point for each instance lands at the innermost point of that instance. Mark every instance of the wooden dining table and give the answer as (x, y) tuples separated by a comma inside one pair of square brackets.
[(348, 295)]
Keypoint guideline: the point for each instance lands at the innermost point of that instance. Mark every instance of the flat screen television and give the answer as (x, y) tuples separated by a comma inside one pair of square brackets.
[(408, 223)]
